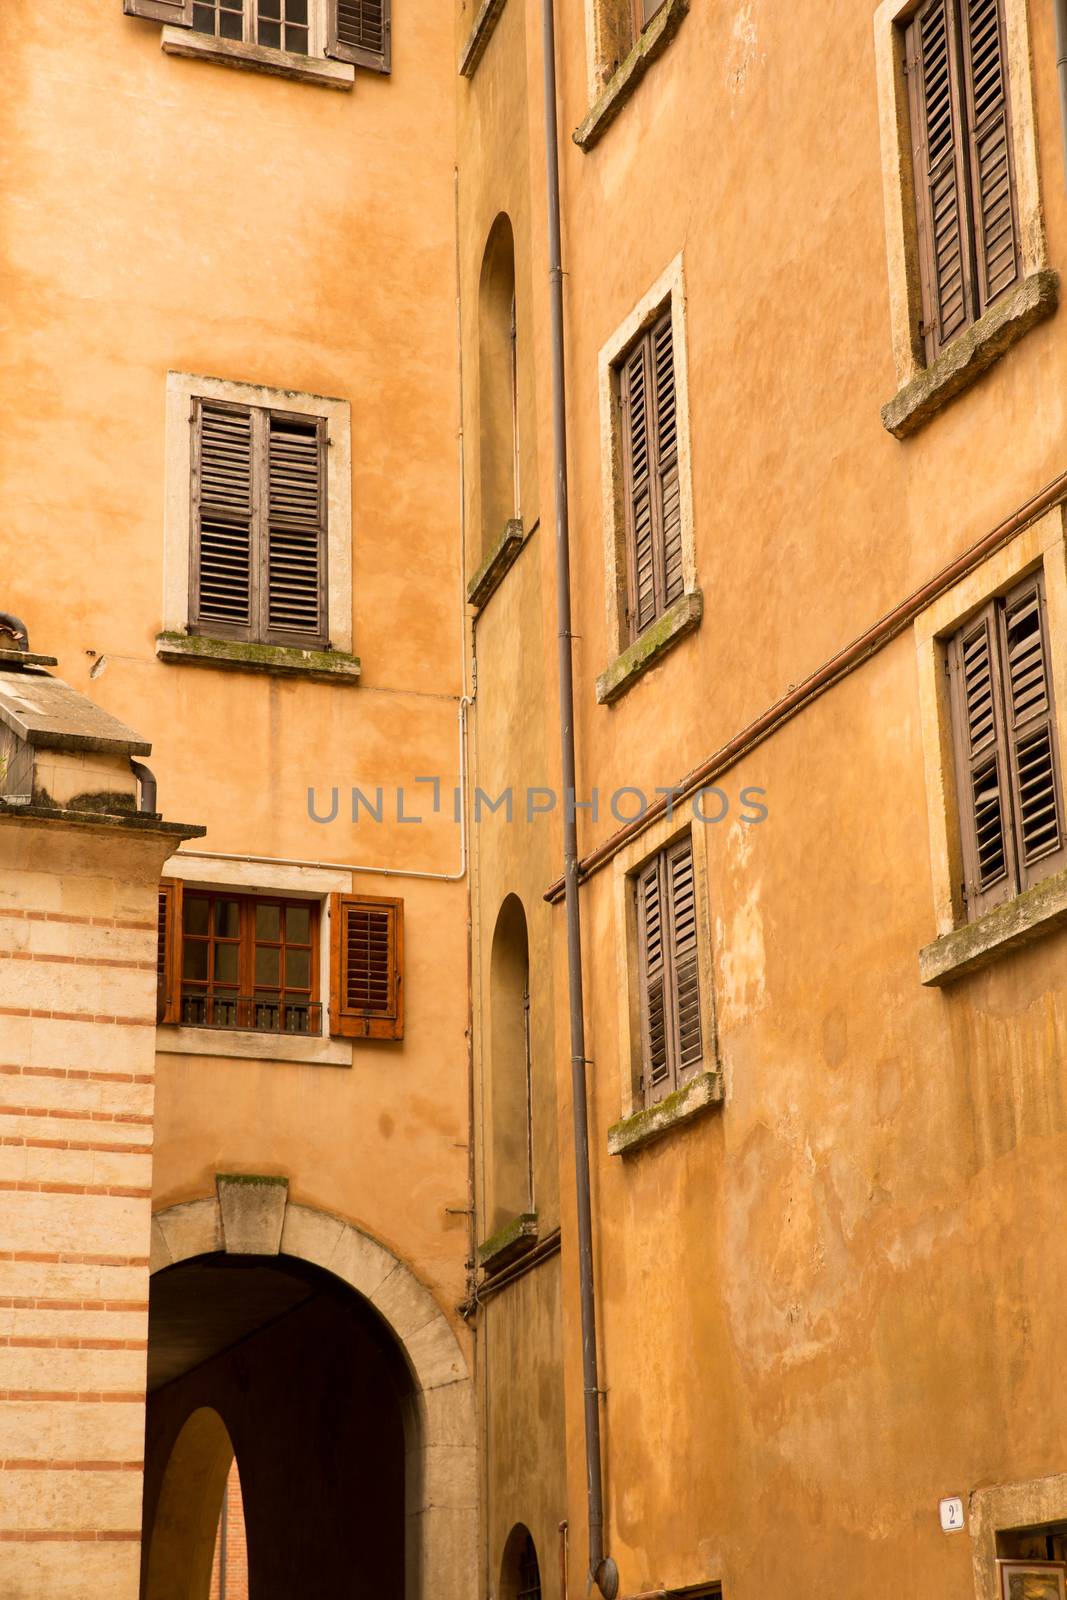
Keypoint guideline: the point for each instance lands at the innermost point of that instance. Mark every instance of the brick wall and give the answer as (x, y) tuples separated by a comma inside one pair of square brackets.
[(233, 1520), (77, 1048)]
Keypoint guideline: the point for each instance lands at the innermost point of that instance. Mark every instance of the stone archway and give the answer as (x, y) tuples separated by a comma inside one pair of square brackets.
[(183, 1535), (255, 1217)]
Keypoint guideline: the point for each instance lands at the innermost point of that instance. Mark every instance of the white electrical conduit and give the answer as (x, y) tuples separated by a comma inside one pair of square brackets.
[(352, 866)]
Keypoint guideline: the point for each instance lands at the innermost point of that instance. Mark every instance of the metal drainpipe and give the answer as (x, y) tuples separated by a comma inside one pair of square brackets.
[(602, 1569), (1060, 9), (147, 780), (15, 625)]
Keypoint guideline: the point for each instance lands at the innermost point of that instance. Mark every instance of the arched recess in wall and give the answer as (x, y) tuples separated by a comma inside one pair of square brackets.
[(498, 386), (440, 1488), (520, 1570), (187, 1517), (511, 1176)]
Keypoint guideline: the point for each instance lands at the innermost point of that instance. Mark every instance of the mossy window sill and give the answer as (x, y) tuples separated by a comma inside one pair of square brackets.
[(486, 20), (327, 74), (235, 655), (651, 647), (975, 350), (679, 1109), (1029, 916), (498, 563), (628, 74), (509, 1242)]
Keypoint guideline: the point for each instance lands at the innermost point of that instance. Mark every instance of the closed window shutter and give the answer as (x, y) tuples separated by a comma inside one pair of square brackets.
[(685, 987), (296, 536), (932, 54), (669, 497), (366, 967), (655, 1006), (168, 951), (982, 764), (176, 11), (992, 180), (1031, 734), (361, 31), (224, 571), (644, 595)]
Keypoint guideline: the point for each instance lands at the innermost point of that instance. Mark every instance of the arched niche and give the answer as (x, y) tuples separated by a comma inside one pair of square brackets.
[(511, 1178), (498, 386)]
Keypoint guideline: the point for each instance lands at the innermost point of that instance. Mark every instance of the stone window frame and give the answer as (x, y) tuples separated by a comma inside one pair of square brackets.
[(922, 389), (612, 76), (630, 660), (639, 1126), (960, 946), (175, 643), (1004, 1507), (251, 878), (315, 67)]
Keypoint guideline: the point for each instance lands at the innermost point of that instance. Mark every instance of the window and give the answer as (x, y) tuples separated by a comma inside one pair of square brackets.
[(259, 525), (356, 31), (520, 1575), (648, 396), (956, 65), (1032, 1580), (251, 962), (672, 1045), (1006, 748)]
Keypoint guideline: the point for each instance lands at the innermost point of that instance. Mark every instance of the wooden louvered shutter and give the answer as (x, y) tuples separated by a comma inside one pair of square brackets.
[(982, 766), (933, 67), (1033, 752), (644, 601), (651, 476), (669, 496), (294, 588), (687, 1037), (168, 951), (657, 1078), (366, 967), (223, 575), (989, 138), (176, 11), (361, 31)]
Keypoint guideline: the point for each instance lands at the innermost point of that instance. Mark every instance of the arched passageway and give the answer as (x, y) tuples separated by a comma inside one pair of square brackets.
[(348, 1409)]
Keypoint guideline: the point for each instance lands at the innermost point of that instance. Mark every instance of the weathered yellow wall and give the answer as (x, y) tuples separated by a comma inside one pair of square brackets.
[(838, 1298)]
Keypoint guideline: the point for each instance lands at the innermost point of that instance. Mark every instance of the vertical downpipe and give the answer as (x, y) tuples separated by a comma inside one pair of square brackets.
[(1060, 9), (602, 1569)]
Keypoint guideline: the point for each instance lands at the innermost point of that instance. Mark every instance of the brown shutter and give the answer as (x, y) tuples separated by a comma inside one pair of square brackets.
[(361, 31), (295, 587), (176, 11), (1031, 733), (989, 139), (657, 1078), (366, 967), (668, 497), (932, 55), (685, 972), (168, 952), (982, 767), (644, 598), (223, 575)]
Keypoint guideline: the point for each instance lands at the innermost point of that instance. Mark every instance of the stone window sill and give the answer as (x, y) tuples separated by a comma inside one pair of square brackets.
[(696, 1098), (974, 352), (258, 58), (1029, 916), (235, 655), (624, 80), (237, 1045), (497, 563), (509, 1242), (488, 15), (651, 647)]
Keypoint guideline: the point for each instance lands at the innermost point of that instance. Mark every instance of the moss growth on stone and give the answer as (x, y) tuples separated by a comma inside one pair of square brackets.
[(674, 624), (651, 43), (337, 665), (690, 1101), (249, 1177), (520, 1232)]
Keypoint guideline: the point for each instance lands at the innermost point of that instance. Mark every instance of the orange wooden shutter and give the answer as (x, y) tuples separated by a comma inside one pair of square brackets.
[(989, 137), (982, 769), (652, 949), (366, 967), (168, 952)]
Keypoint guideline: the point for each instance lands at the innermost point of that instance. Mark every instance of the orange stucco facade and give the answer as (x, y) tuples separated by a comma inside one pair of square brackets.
[(829, 1296)]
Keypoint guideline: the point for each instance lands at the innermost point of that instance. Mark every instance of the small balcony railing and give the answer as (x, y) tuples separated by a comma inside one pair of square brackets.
[(250, 1013)]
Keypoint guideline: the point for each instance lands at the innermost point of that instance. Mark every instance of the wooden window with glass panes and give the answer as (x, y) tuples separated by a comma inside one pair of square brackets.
[(248, 963)]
